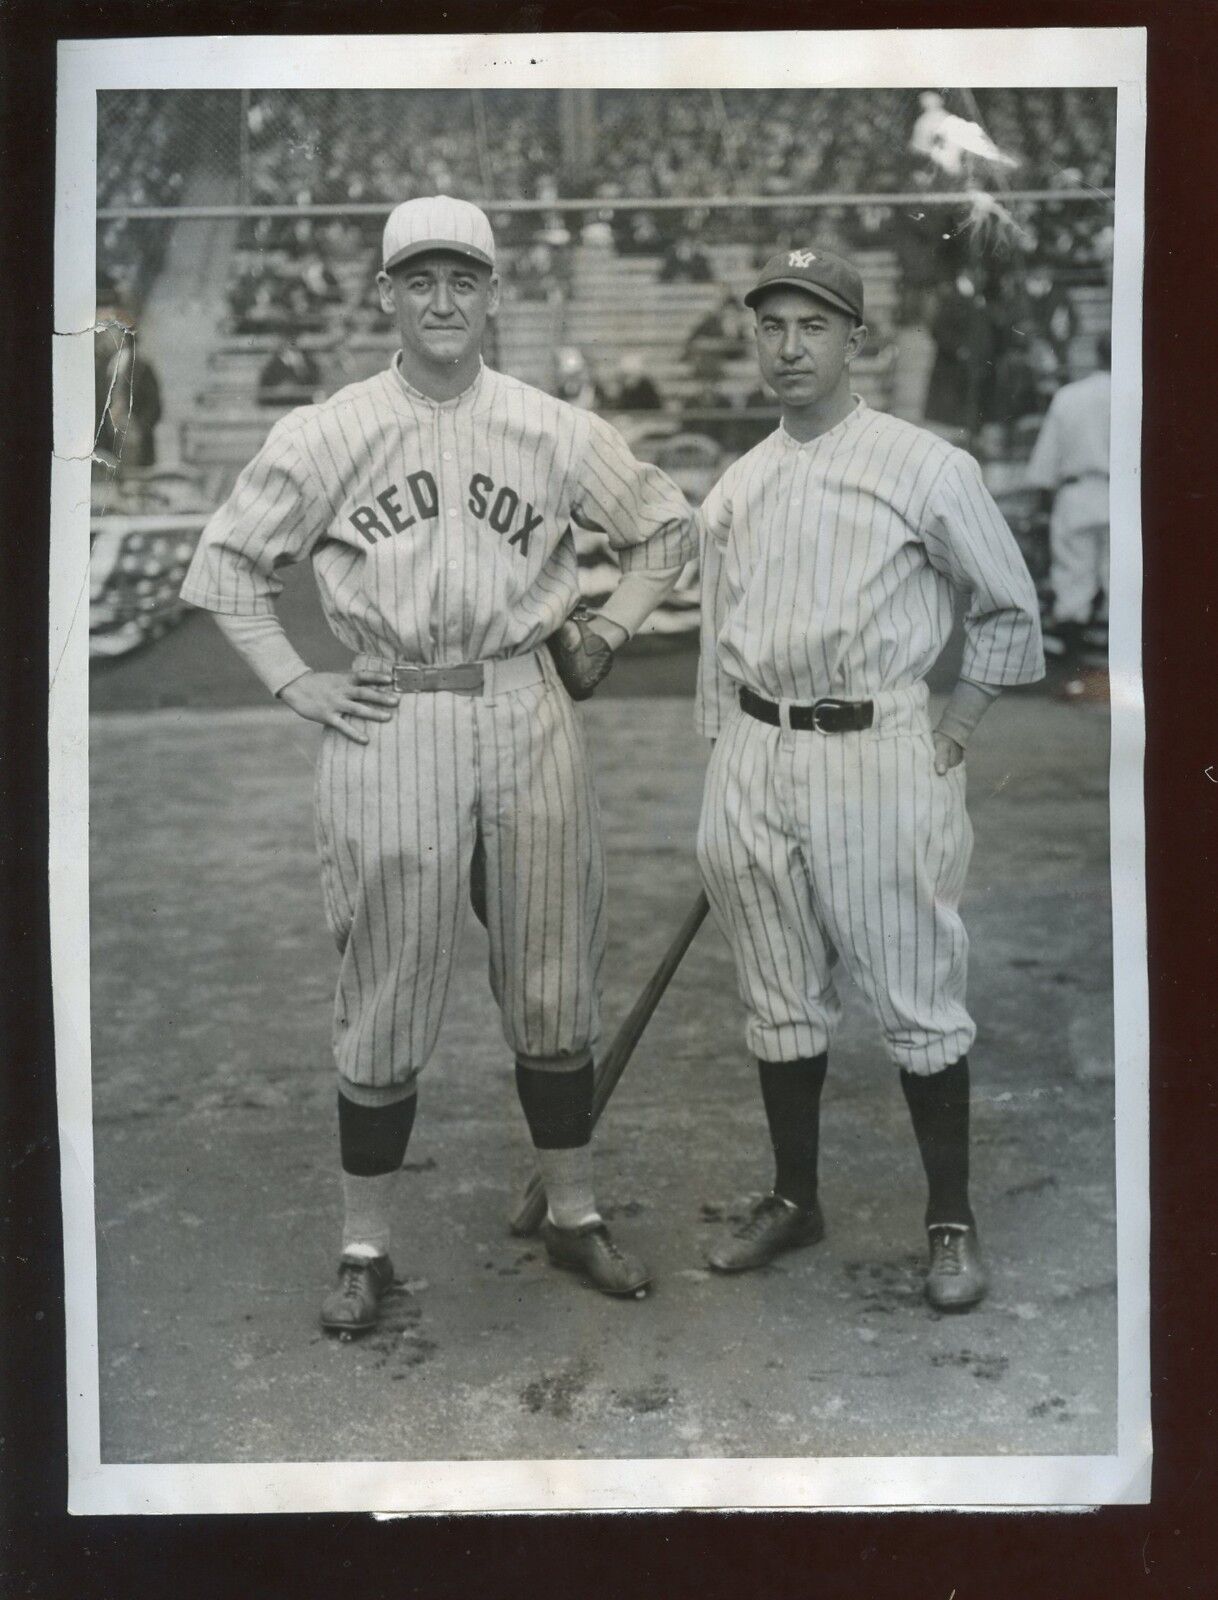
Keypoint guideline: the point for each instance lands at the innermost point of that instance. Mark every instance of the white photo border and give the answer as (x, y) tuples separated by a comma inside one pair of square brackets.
[(1010, 58)]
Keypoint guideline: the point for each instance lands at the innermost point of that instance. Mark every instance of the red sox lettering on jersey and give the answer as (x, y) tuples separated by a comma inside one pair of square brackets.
[(439, 532), (829, 569), (501, 507)]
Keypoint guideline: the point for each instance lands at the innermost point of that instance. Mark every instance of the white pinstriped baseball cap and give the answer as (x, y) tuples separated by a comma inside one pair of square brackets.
[(437, 222)]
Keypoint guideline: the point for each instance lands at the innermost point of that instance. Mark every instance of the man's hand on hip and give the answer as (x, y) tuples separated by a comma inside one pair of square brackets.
[(342, 699)]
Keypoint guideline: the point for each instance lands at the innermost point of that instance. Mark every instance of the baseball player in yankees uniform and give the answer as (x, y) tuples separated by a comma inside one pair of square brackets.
[(435, 501), (833, 823)]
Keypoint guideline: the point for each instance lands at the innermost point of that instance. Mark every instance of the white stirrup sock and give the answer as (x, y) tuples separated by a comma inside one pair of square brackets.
[(367, 1211), (567, 1175)]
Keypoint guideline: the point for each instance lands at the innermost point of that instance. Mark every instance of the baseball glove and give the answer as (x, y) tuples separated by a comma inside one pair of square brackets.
[(580, 654)]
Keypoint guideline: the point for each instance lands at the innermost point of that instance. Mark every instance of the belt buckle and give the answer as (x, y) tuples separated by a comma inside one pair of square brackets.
[(401, 679), (827, 704)]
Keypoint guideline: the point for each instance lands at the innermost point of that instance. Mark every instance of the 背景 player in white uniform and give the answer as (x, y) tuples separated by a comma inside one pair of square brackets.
[(435, 501), (1069, 463), (834, 823)]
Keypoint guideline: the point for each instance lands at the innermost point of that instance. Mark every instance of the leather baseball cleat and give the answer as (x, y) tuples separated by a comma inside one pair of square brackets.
[(957, 1277), (591, 1251), (353, 1306), (776, 1225)]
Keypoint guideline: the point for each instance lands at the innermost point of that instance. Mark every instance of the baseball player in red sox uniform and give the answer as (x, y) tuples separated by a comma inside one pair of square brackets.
[(436, 502), (834, 823)]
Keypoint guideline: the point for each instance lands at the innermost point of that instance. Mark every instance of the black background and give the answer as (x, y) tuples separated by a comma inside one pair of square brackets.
[(1166, 1549)]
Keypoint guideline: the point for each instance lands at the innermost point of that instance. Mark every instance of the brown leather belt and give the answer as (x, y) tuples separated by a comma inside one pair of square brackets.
[(486, 679), (824, 716), (466, 678)]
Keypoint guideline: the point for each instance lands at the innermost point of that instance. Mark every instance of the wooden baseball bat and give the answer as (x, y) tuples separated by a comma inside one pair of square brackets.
[(532, 1208)]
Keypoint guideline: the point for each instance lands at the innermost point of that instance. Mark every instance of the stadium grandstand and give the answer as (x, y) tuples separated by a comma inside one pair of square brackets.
[(238, 232)]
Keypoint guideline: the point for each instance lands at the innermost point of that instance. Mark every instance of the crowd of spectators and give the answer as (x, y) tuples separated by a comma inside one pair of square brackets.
[(666, 144), (327, 147), (321, 147), (996, 282), (142, 156)]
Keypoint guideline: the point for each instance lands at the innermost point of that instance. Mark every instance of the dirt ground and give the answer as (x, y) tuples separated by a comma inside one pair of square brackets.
[(217, 1201)]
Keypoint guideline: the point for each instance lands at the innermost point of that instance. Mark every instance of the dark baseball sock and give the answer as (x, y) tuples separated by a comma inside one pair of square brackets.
[(1071, 636), (372, 1140), (557, 1105), (939, 1108), (791, 1092)]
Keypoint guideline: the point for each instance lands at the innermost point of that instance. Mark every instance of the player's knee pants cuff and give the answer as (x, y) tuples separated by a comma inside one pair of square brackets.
[(923, 1059), (558, 1063), (375, 1095), (789, 1041)]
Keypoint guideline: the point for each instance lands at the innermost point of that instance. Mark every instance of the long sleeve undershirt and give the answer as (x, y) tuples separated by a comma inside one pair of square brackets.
[(968, 703)]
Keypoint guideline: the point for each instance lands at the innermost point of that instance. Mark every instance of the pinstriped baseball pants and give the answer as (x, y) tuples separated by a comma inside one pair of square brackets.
[(396, 823), (819, 847)]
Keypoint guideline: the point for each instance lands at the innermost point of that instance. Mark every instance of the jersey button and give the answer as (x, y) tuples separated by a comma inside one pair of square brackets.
[(448, 455)]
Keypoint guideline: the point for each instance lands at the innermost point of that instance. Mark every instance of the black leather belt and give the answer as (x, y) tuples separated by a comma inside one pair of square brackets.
[(825, 716)]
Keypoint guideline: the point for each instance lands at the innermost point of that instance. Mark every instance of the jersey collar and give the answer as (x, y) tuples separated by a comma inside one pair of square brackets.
[(853, 416), (466, 397)]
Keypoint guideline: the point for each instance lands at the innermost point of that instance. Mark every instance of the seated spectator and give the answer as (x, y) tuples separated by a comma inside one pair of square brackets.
[(573, 380), (1050, 313), (597, 234), (320, 283), (534, 273), (291, 377), (339, 362), (267, 311), (633, 389), (685, 262), (725, 334), (637, 233)]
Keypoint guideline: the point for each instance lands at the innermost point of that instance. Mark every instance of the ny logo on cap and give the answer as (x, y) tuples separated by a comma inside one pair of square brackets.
[(801, 258)]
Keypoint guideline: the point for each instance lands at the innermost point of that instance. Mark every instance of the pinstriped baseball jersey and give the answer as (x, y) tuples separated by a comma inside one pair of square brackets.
[(441, 533), (828, 568)]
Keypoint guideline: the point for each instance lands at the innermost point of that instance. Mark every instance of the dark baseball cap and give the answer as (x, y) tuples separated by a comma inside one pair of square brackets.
[(820, 272)]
